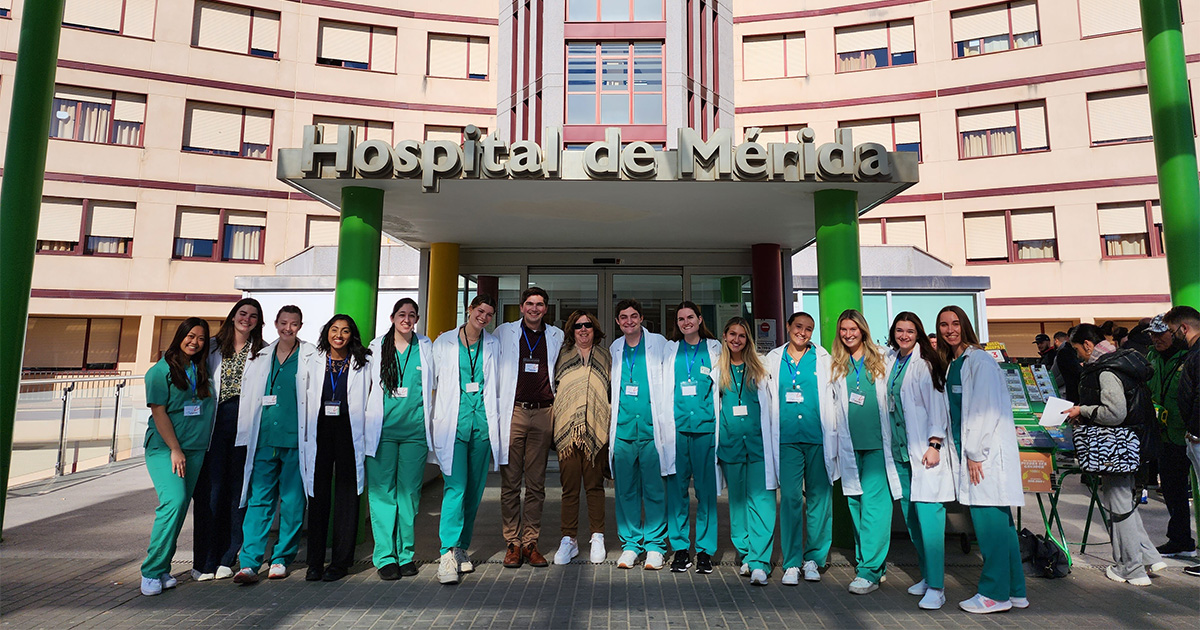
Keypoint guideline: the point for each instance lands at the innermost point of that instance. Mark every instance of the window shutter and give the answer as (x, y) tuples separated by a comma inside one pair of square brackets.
[(870, 233), (322, 231), (864, 37), (986, 235), (447, 56), (1097, 17), (1033, 125), (379, 131), (903, 38), (875, 130), (997, 117), (794, 49), (979, 23), (265, 31), (251, 219), (436, 132), (329, 127), (1122, 219), (762, 57), (201, 225), (258, 127), (130, 108), (105, 14), (111, 219), (214, 127), (777, 133), (222, 26), (60, 220), (1024, 17), (1122, 115), (383, 49), (1156, 212), (908, 129), (139, 18), (345, 42), (1033, 225), (907, 231), (84, 95), (478, 59)]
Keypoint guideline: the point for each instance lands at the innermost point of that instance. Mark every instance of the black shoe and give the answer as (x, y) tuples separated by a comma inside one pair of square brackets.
[(1192, 570), (682, 562), (408, 569), (703, 563), (1173, 549), (390, 572), (314, 574), (333, 574)]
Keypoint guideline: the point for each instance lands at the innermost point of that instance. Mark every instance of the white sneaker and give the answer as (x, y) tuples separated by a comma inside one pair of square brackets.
[(202, 577), (224, 572), (448, 568), (791, 576), (744, 571), (168, 581), (1019, 602), (567, 549), (981, 605), (277, 572), (654, 560), (934, 599), (627, 560), (151, 586), (1137, 581), (919, 588), (1156, 569), (862, 586), (812, 573), (464, 561), (758, 577), (599, 553)]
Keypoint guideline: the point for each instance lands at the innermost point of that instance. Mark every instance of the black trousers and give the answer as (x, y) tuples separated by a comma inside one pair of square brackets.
[(335, 485), (1173, 468), (217, 519)]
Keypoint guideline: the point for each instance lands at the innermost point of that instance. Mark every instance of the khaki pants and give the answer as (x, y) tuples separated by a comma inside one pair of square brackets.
[(574, 469), (530, 439)]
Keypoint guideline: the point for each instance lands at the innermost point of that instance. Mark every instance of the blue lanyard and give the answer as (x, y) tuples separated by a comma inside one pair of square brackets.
[(525, 336), (334, 379), (631, 360), (741, 385), (691, 361), (794, 368), (191, 376), (897, 372), (857, 374)]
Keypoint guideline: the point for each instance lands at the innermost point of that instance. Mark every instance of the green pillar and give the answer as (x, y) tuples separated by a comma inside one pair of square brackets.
[(1174, 147), (839, 287), (21, 201)]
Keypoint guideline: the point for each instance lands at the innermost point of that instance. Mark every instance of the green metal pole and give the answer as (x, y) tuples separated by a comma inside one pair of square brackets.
[(1174, 147), (839, 286), (21, 201)]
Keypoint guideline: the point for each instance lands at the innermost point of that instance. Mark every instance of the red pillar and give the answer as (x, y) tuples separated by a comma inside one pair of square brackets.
[(766, 287)]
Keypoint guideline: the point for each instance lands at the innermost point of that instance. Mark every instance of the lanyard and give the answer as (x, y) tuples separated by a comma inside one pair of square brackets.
[(472, 360), (334, 379), (692, 360), (857, 374), (794, 368), (525, 336), (631, 360), (897, 372), (741, 385), (277, 366), (407, 356), (191, 376)]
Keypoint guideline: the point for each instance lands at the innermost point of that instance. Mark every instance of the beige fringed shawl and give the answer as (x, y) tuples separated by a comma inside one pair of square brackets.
[(581, 407)]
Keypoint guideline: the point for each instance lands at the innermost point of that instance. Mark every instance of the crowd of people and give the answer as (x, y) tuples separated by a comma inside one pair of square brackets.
[(247, 432)]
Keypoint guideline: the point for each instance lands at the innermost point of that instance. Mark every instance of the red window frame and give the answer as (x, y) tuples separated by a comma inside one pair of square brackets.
[(1012, 245), (887, 26), (1020, 148), (80, 248), (249, 38), (1156, 247), (112, 121), (631, 60), (218, 254), (241, 140), (1012, 41), (120, 31), (567, 13)]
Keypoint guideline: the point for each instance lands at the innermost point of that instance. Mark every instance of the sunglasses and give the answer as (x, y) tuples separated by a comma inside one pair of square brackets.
[(582, 325)]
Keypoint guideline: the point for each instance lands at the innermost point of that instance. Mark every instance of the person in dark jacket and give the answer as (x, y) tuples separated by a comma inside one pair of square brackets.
[(1167, 359), (1184, 325), (1046, 350), (1140, 337), (1067, 365)]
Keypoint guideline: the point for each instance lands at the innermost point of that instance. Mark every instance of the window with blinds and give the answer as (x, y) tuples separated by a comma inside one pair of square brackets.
[(878, 45), (321, 231), (133, 18), (109, 230), (1002, 130), (5, 8), (905, 231), (775, 56), (72, 343), (357, 46), (1104, 17), (243, 236), (1011, 235), (101, 116), (1119, 116), (777, 133), (363, 129), (227, 130), (234, 28), (457, 56), (59, 225), (995, 28), (229, 235), (870, 232), (614, 10), (1130, 229), (85, 227), (196, 233), (901, 133)]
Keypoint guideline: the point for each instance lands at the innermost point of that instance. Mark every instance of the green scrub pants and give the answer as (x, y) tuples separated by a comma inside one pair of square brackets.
[(751, 512), (639, 488), (926, 528), (1002, 576), (174, 495), (462, 491), (394, 479), (695, 461), (276, 475), (871, 513), (805, 501)]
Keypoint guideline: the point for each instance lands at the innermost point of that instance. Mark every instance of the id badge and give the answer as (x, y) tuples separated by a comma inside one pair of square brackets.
[(269, 401), (401, 392), (471, 387), (333, 408), (795, 397), (631, 390), (704, 370), (857, 398), (688, 389), (956, 389), (741, 410), (531, 366), (891, 404), (191, 410)]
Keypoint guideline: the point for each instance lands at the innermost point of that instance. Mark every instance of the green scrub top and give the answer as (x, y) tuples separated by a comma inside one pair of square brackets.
[(472, 415), (799, 422), (635, 419), (954, 386), (193, 432), (896, 409), (280, 424), (694, 413), (404, 416), (741, 436), (865, 432)]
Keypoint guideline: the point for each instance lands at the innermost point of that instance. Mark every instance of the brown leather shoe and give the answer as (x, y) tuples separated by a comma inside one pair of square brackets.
[(535, 557), (513, 559)]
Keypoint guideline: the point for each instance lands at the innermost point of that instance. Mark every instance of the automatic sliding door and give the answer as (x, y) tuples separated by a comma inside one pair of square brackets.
[(568, 292), (659, 294)]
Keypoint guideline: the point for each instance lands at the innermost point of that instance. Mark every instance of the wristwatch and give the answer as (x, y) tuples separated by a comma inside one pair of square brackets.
[(937, 446)]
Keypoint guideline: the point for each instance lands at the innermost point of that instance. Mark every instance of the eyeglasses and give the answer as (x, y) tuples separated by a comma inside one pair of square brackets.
[(582, 325)]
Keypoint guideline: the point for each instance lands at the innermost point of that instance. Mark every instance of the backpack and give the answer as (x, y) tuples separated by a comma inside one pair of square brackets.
[(1134, 372), (1042, 557)]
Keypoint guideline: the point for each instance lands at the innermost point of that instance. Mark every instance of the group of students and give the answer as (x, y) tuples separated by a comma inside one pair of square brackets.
[(273, 428)]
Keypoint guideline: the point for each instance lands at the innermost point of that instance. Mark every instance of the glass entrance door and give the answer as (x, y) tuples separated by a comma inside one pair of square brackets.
[(659, 291)]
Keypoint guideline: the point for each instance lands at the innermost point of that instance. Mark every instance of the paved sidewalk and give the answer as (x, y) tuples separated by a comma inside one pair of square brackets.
[(73, 546)]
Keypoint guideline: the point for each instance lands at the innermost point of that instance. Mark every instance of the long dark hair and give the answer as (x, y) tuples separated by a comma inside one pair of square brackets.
[(354, 347), (224, 341), (389, 370), (705, 333), (179, 362), (934, 360), (966, 334)]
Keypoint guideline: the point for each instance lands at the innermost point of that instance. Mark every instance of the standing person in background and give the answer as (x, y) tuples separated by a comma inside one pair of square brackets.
[(1060, 339), (398, 423), (1067, 364), (217, 535), (687, 370), (933, 340), (807, 450), (1184, 325), (274, 391), (1166, 357), (1046, 350), (179, 395), (581, 417), (984, 437)]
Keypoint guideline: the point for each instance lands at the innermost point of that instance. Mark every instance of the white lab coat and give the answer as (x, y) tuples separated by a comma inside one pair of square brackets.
[(668, 391), (509, 366), (829, 426), (847, 464), (769, 422), (989, 435), (214, 371), (374, 420), (254, 385), (358, 387), (925, 417), (445, 402), (664, 441)]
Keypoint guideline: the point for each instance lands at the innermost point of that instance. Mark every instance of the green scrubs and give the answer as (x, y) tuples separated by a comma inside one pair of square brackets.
[(870, 511), (640, 488), (463, 487), (396, 472), (192, 419), (805, 495), (276, 472), (740, 451), (955, 389), (695, 460)]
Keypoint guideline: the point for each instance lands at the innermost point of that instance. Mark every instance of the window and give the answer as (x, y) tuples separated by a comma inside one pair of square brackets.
[(230, 235), (227, 130), (995, 28), (357, 46), (614, 10), (777, 133), (615, 83), (85, 227), (457, 57), (1002, 130), (321, 231), (902, 133), (1119, 116), (893, 231), (878, 45), (1011, 236), (73, 343), (236, 29), (773, 56), (1103, 17), (134, 18), (363, 129), (449, 132), (101, 116), (5, 8), (1123, 229)]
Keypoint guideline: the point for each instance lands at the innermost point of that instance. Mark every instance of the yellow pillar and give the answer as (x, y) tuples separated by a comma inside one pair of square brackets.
[(442, 308)]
